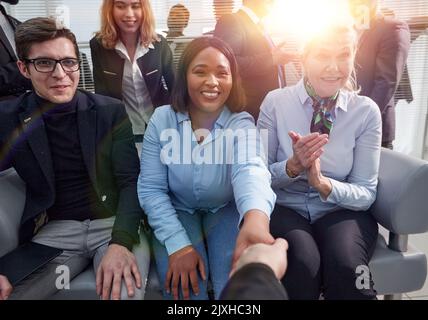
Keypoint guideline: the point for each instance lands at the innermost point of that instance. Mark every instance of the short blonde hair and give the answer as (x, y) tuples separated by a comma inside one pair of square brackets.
[(332, 32), (109, 33)]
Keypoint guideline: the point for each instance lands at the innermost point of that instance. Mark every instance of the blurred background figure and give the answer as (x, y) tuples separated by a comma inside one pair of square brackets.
[(222, 7), (178, 19), (12, 83), (384, 43), (261, 62), (404, 89)]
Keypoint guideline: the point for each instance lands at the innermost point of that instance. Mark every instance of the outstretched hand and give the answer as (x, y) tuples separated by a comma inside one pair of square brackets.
[(274, 256), (255, 229)]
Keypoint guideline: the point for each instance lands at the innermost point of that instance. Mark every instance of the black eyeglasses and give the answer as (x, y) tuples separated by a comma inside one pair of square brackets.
[(47, 65)]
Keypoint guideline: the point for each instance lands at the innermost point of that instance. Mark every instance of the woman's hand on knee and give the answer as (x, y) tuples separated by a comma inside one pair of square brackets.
[(183, 266)]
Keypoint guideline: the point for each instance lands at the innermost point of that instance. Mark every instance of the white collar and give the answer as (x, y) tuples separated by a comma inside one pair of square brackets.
[(139, 52), (342, 99)]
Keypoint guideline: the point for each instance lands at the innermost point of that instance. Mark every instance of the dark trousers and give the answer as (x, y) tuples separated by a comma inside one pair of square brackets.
[(324, 256), (387, 144)]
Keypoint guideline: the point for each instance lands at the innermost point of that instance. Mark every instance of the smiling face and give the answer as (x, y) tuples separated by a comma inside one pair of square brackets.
[(209, 81), (128, 16), (57, 86), (329, 62)]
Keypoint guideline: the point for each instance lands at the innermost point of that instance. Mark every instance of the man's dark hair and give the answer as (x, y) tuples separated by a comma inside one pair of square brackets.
[(180, 96), (39, 30), (178, 17)]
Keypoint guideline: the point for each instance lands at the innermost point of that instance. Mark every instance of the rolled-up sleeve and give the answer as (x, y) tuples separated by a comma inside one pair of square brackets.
[(358, 192), (153, 191), (251, 179)]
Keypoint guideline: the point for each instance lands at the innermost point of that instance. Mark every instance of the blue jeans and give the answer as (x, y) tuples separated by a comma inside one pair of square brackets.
[(213, 235)]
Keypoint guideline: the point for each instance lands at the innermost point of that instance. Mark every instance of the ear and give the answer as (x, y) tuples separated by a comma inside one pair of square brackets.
[(23, 69)]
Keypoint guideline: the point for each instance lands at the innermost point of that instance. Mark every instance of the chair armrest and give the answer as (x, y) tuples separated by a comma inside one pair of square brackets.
[(402, 199), (12, 201)]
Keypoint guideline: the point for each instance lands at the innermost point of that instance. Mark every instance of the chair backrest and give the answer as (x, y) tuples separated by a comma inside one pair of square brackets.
[(12, 201), (402, 195)]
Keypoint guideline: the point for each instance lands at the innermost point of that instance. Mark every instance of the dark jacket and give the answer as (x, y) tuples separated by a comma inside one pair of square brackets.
[(253, 54), (108, 151), (255, 281), (156, 66), (12, 82), (379, 63)]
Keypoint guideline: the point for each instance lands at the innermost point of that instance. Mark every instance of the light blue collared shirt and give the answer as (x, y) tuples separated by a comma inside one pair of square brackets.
[(173, 177), (350, 159)]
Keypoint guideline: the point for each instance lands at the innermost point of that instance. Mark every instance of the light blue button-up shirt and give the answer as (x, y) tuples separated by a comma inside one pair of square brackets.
[(177, 173), (350, 159)]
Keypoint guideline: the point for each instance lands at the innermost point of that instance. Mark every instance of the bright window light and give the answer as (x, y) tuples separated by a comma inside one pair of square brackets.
[(299, 20)]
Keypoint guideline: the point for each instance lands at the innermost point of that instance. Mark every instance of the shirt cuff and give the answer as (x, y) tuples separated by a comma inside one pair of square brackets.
[(279, 174), (123, 239), (176, 242), (255, 204), (334, 195)]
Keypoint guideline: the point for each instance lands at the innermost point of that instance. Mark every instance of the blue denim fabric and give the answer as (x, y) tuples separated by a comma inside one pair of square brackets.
[(213, 235)]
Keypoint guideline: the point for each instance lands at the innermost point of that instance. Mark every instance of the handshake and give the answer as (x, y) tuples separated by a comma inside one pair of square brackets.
[(274, 256), (257, 273)]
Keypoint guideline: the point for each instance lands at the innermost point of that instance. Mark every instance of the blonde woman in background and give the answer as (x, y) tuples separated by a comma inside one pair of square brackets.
[(130, 61)]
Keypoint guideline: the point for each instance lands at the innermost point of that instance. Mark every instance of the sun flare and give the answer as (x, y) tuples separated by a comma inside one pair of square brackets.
[(298, 21)]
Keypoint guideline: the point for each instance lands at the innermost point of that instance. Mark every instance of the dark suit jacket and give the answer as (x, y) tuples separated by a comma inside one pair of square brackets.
[(12, 83), (254, 281), (253, 53), (156, 66), (381, 57), (108, 150)]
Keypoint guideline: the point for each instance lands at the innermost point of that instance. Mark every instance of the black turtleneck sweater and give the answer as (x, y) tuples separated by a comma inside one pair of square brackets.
[(75, 196)]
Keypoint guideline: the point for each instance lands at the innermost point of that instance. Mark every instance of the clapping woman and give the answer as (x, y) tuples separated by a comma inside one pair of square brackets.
[(324, 149)]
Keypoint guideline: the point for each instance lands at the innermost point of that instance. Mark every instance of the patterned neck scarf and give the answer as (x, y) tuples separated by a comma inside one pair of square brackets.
[(322, 120)]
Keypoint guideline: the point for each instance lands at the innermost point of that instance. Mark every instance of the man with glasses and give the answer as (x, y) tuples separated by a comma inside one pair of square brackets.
[(12, 83), (75, 152)]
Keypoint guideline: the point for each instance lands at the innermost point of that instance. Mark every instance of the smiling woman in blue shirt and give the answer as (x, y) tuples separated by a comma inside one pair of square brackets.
[(210, 198), (323, 153)]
